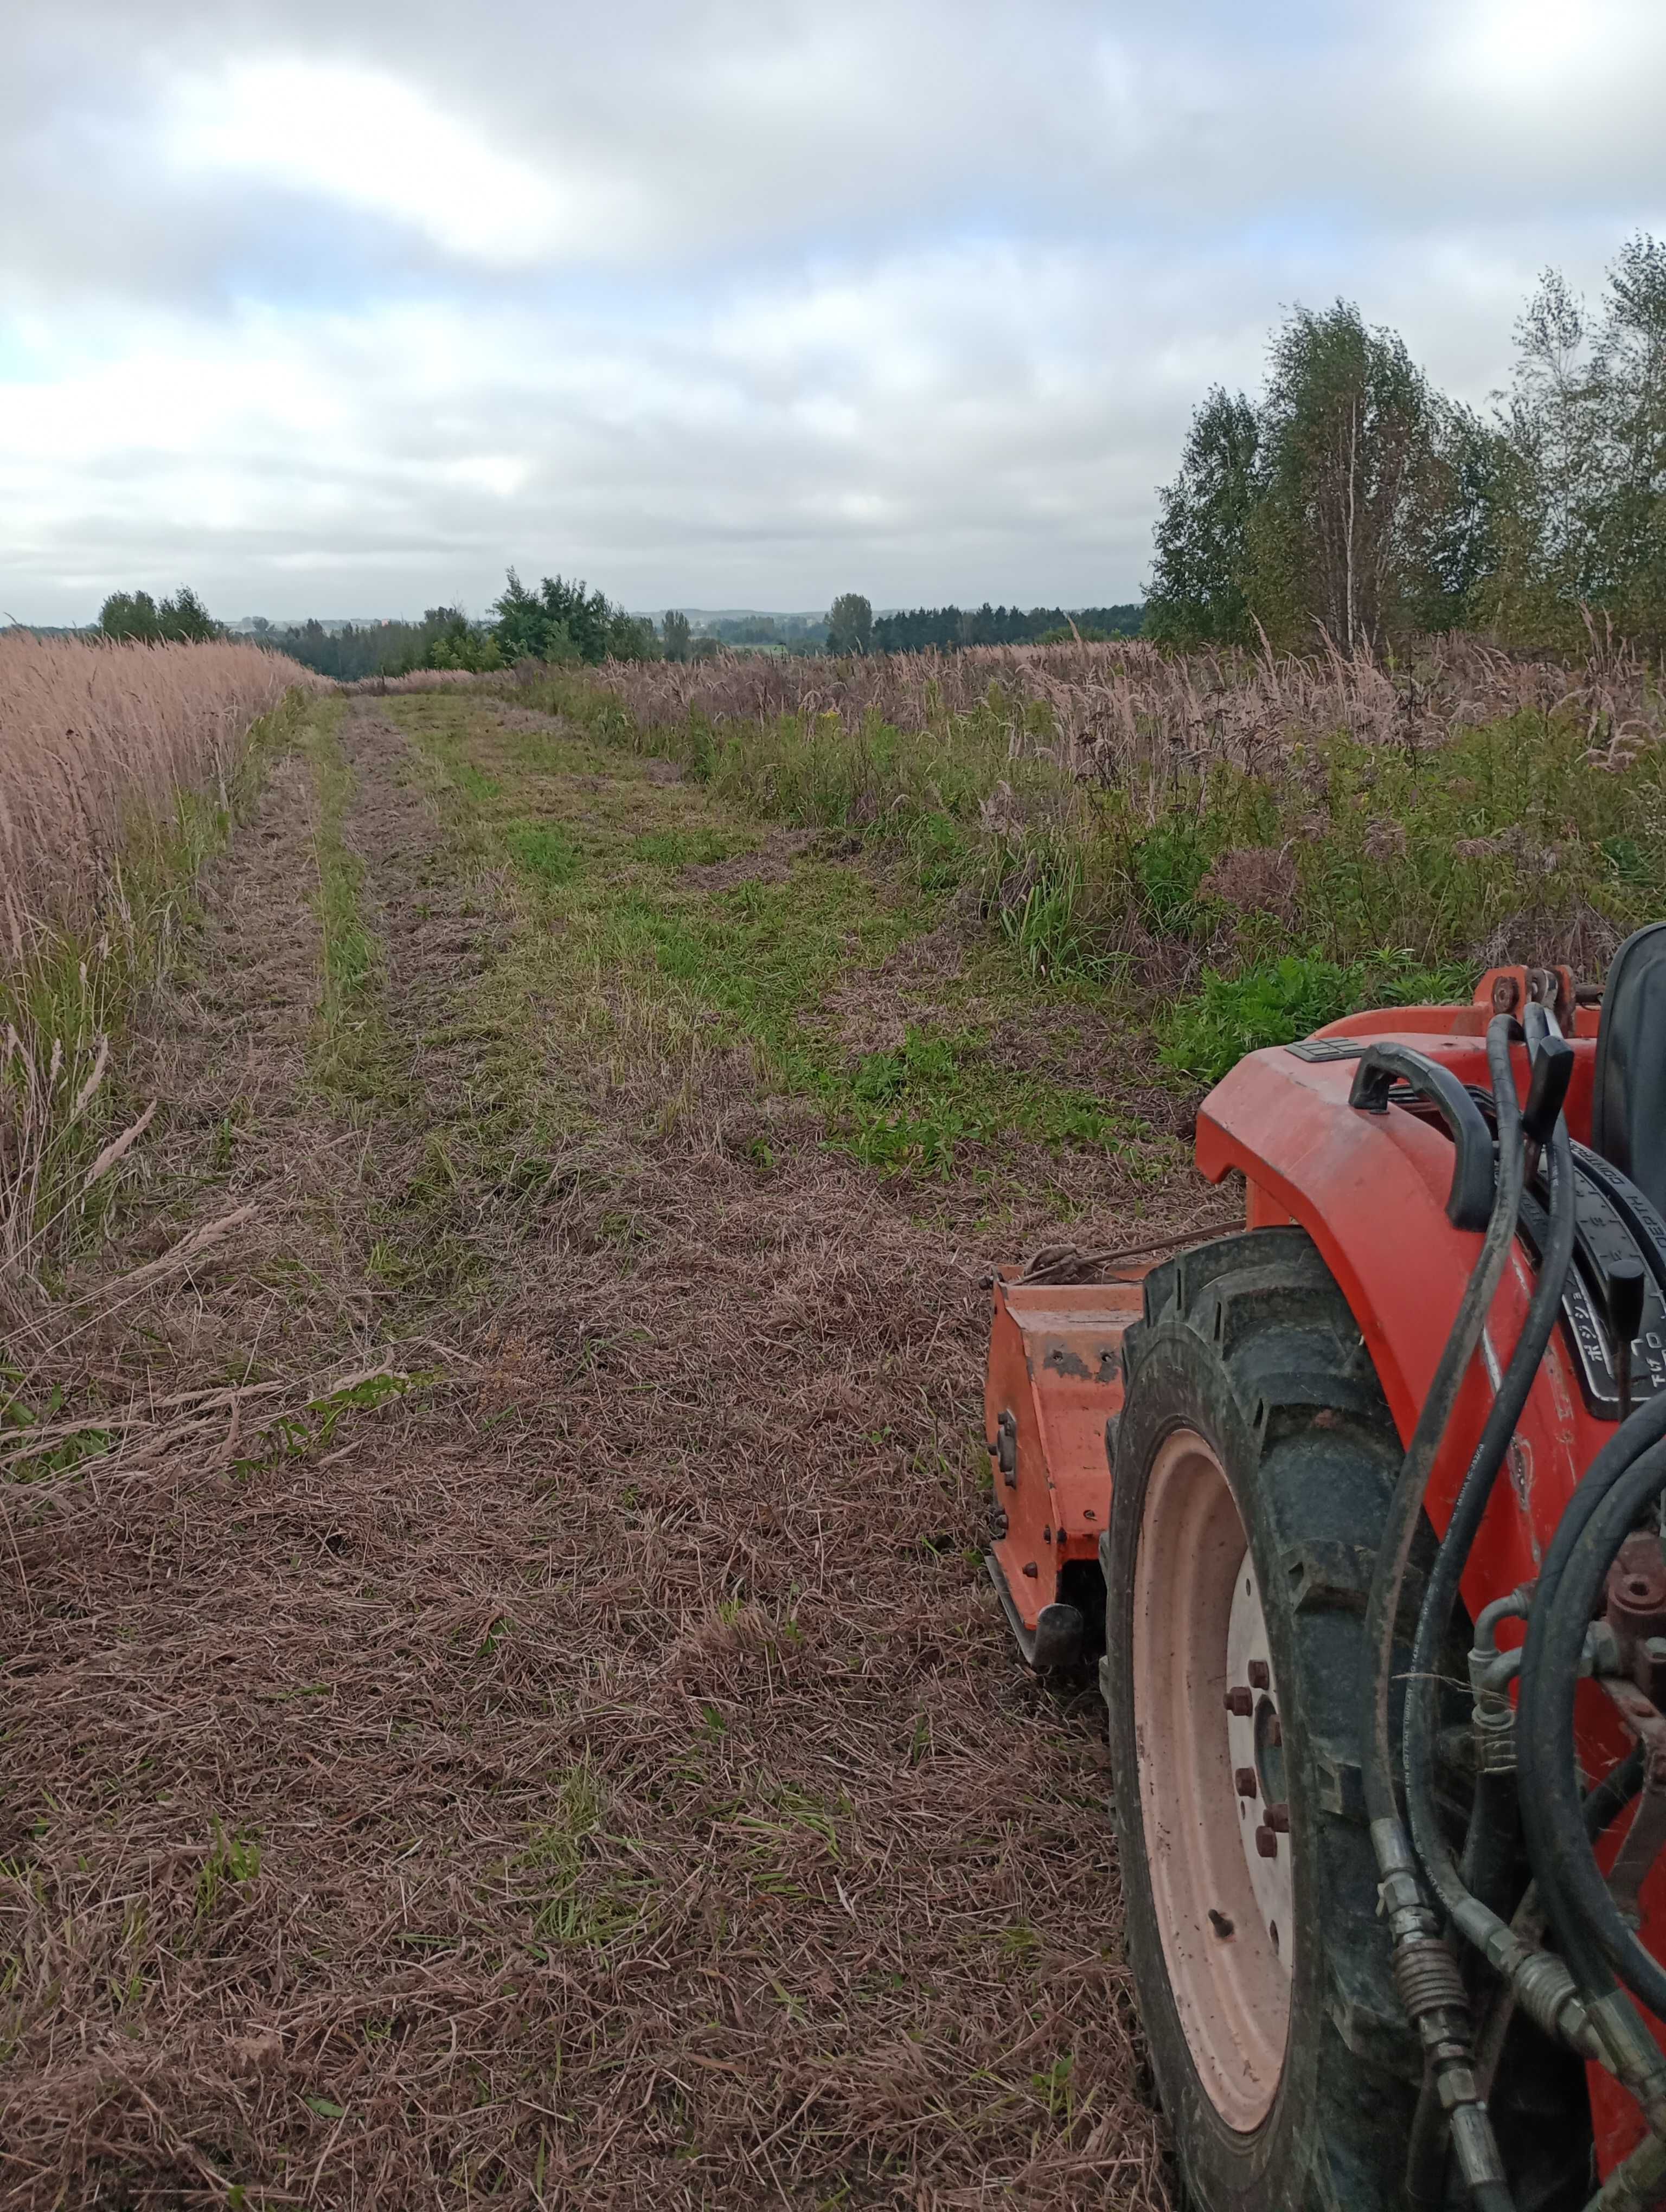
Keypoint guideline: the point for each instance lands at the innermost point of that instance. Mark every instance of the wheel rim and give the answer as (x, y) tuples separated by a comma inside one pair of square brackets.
[(1218, 1890)]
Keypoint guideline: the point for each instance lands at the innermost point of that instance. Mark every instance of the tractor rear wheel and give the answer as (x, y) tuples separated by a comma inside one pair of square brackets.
[(1253, 1463)]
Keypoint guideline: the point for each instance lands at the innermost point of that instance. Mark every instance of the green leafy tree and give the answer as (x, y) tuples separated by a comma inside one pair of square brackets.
[(677, 634), (182, 620), (1351, 482), (1629, 373), (850, 624), (185, 620), (129, 615), (1201, 553), (632, 637), (564, 622)]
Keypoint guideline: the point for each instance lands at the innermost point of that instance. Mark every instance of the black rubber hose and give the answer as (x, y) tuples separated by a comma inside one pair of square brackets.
[(1607, 1799), (1492, 1845), (1549, 1839), (1405, 1506), (1474, 1495), (1427, 2157), (1585, 1916)]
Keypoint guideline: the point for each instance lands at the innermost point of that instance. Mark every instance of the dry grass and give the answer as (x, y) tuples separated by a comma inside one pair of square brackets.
[(95, 739), (417, 679), (1098, 705), (119, 767)]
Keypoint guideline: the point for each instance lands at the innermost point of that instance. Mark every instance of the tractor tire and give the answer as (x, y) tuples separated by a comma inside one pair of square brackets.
[(1253, 1464)]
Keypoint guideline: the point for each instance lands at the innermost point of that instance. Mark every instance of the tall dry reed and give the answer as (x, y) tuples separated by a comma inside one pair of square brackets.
[(118, 766), (1100, 706), (95, 739), (1121, 810)]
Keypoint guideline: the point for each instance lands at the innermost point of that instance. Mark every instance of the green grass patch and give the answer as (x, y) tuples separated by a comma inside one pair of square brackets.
[(543, 852), (920, 1108), (649, 962), (683, 849), (356, 1056), (580, 1898), (1280, 1001)]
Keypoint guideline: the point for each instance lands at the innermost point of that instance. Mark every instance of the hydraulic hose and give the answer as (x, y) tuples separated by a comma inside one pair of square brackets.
[(1426, 1974), (1551, 1842), (1597, 1942), (1607, 1799), (1470, 1507), (1425, 2157), (1406, 1504)]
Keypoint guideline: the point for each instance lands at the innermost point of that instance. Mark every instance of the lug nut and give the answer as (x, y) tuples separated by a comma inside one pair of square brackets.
[(1274, 1732), (1266, 1843), (1261, 1674), (1241, 1702), (1244, 1781), (1278, 1818)]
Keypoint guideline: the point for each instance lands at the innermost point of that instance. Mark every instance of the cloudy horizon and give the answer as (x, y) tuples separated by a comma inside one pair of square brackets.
[(337, 310)]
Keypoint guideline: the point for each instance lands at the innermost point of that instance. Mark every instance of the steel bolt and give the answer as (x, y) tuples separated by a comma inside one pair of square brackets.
[(1278, 1818), (1266, 1843), (1244, 1781), (1241, 1702), (1261, 1674)]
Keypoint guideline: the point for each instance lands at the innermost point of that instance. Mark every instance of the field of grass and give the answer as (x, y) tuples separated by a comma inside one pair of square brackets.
[(505, 1706), (495, 1519), (1255, 845)]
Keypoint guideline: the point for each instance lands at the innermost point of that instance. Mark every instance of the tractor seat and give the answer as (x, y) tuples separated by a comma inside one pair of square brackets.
[(1628, 1107)]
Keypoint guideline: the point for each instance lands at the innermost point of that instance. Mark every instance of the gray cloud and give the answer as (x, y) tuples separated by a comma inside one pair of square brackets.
[(346, 306)]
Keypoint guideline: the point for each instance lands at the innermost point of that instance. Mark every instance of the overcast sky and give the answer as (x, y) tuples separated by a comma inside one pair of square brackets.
[(342, 305)]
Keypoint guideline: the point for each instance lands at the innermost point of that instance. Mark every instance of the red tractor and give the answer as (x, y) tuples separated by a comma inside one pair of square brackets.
[(1360, 1510)]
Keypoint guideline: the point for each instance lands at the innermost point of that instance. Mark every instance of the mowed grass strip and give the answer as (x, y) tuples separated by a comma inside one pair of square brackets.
[(659, 919), (354, 1054)]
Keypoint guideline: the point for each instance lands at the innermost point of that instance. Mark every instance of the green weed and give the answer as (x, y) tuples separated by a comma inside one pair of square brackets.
[(292, 1436), (582, 1902), (1280, 1001), (233, 1859), (1328, 850)]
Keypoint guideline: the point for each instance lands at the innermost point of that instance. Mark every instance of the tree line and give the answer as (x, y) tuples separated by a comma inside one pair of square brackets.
[(565, 622), (915, 629), (1353, 500)]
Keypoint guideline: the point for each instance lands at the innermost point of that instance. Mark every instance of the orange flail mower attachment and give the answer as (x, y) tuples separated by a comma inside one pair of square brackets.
[(1054, 1378)]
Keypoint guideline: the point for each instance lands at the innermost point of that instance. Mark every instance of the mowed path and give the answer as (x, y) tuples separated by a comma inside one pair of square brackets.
[(582, 1764)]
